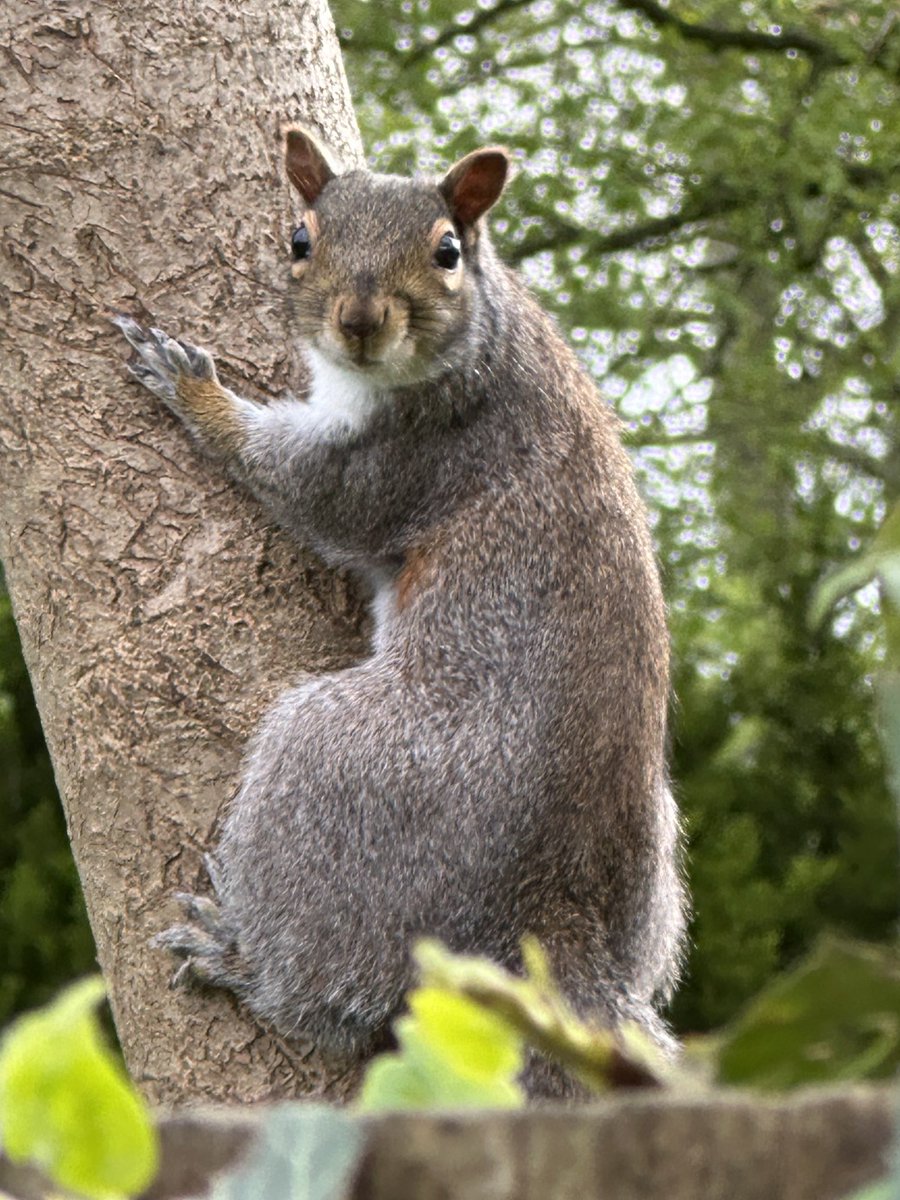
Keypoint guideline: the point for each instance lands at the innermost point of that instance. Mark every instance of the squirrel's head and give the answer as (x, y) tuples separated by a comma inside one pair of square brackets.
[(383, 271)]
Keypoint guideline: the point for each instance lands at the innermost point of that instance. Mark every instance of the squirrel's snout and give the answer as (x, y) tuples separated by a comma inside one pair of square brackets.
[(367, 329), (359, 318)]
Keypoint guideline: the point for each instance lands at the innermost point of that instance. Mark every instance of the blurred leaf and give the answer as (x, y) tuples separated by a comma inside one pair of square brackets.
[(851, 578), (834, 1017), (301, 1152), (66, 1105), (454, 1053), (471, 1003), (466, 1035), (888, 685), (876, 1191)]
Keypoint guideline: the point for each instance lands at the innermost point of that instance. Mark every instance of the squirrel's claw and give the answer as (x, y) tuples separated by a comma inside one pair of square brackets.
[(205, 912), (129, 327), (208, 946), (162, 360), (214, 871)]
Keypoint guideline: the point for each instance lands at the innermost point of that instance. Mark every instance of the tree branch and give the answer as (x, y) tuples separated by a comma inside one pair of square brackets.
[(564, 234), (719, 38), (486, 17), (885, 469)]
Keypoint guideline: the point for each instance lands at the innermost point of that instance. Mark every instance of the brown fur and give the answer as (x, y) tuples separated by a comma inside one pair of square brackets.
[(207, 403), (420, 565)]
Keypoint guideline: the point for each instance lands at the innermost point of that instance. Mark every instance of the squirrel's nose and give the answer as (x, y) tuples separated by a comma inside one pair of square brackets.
[(361, 318)]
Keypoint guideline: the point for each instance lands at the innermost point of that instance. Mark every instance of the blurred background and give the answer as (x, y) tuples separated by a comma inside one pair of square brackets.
[(708, 197)]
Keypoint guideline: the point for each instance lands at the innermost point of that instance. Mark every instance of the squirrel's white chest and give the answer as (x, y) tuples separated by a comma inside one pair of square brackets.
[(340, 402)]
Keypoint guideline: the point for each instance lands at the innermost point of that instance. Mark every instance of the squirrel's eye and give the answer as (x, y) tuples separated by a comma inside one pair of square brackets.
[(301, 244), (448, 252)]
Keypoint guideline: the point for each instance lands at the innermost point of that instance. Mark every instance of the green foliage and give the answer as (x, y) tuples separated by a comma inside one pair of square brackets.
[(302, 1152), (462, 1043), (66, 1105), (44, 935), (889, 709), (530, 1008), (834, 1018), (880, 564)]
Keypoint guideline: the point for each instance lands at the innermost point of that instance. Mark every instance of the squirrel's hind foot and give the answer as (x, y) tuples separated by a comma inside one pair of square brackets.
[(207, 945)]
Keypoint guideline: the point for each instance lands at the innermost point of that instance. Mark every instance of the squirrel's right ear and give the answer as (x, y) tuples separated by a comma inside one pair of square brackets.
[(309, 164), (473, 184)]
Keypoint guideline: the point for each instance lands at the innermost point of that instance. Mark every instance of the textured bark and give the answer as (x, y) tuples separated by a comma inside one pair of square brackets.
[(140, 173), (816, 1144)]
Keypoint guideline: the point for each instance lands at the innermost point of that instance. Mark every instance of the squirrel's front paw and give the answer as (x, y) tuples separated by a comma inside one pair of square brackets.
[(184, 377), (164, 364), (208, 946)]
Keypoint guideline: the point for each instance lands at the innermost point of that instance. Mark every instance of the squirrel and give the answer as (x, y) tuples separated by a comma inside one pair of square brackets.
[(496, 766)]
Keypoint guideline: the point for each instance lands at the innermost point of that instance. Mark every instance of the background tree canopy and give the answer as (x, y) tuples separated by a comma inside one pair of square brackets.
[(708, 197)]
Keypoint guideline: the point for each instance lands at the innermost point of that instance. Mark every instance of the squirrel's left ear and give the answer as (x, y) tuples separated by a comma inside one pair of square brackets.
[(309, 164), (473, 184)]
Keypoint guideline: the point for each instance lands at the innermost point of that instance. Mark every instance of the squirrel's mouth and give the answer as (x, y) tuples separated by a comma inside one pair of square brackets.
[(364, 359), (375, 354), (364, 356)]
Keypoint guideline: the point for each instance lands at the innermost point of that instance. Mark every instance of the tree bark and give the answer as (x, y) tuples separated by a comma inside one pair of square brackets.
[(159, 615)]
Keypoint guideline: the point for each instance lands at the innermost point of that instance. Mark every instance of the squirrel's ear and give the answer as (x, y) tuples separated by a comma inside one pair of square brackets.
[(473, 184), (309, 164)]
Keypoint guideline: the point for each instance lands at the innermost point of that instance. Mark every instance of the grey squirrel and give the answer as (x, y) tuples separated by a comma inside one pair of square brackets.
[(496, 766)]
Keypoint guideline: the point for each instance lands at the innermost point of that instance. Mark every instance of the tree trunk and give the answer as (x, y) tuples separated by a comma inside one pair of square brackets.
[(159, 615)]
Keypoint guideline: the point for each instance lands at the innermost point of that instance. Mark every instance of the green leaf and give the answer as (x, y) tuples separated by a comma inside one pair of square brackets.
[(889, 572), (421, 1078), (66, 1105), (462, 1042), (876, 1191), (835, 1017), (453, 1054), (301, 1152), (533, 1007), (477, 1043)]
